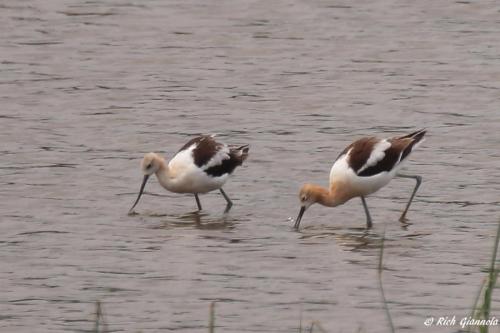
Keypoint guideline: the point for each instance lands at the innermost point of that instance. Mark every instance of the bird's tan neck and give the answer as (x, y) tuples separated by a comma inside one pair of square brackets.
[(336, 195), (341, 192), (163, 172)]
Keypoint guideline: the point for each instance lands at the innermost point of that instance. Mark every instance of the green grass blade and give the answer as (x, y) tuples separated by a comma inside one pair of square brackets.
[(211, 323), (474, 312), (483, 311), (381, 287), (99, 322)]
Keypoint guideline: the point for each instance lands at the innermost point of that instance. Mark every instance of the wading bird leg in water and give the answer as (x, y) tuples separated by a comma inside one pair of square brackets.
[(198, 203), (417, 185), (229, 202), (368, 217)]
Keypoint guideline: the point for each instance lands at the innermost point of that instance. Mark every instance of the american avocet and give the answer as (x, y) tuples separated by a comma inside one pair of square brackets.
[(200, 166), (363, 168)]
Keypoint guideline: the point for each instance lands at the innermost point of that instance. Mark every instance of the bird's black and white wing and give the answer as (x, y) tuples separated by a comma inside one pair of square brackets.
[(371, 156), (213, 158)]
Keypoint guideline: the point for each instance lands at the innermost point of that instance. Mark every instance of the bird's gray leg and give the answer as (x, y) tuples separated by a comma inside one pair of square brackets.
[(419, 181), (229, 202), (368, 217), (197, 201)]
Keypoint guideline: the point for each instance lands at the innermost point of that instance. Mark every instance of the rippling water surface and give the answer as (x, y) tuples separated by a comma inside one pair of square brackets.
[(88, 87)]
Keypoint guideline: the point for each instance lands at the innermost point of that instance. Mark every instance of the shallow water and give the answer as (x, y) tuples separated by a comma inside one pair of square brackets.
[(86, 88)]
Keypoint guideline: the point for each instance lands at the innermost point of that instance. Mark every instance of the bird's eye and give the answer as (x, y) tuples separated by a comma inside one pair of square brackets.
[(149, 165), (304, 198)]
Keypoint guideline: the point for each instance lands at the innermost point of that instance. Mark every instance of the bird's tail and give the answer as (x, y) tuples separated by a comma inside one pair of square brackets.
[(416, 138), (241, 152)]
